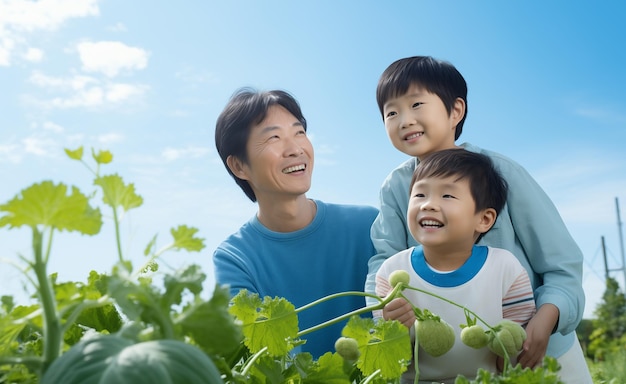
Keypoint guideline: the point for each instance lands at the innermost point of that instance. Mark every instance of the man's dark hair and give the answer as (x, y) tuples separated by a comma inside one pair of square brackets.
[(248, 107)]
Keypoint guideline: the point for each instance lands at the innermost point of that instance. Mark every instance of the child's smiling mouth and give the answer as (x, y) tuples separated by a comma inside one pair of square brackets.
[(413, 136)]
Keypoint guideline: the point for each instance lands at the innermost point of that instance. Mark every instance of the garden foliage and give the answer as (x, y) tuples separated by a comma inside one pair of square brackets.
[(159, 323)]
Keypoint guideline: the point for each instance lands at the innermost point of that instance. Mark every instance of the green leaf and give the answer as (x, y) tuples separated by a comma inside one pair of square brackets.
[(76, 154), (327, 370), (112, 359), (267, 370), (134, 298), (150, 247), (272, 323), (102, 157), (184, 238), (12, 325), (210, 325), (48, 204), (384, 345), (117, 194), (190, 277), (7, 304)]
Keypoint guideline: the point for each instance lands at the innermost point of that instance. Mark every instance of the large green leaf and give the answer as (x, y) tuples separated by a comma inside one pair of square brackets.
[(271, 323), (112, 359), (384, 346), (49, 204)]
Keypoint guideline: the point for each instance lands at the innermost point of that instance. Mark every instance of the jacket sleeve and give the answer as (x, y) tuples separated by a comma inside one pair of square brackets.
[(552, 253), (389, 230)]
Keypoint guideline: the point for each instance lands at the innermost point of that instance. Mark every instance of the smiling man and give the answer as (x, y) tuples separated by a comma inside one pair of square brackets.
[(294, 247)]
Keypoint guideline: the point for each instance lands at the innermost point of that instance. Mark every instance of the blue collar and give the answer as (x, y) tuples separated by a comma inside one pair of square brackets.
[(465, 273)]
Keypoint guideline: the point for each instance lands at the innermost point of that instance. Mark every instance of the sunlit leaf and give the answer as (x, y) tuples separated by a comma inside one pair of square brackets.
[(244, 306), (76, 154), (48, 204), (184, 238), (12, 325), (117, 194), (102, 157), (272, 324), (384, 345)]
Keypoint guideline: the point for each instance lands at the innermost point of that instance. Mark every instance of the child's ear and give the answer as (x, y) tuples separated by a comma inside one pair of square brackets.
[(458, 110), (237, 167), (487, 219)]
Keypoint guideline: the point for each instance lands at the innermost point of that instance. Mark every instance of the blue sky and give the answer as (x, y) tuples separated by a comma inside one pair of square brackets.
[(147, 80)]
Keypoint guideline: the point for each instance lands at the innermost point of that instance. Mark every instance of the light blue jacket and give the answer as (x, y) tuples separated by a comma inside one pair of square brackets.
[(529, 226)]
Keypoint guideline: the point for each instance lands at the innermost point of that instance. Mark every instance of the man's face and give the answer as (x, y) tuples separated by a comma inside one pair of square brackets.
[(280, 156)]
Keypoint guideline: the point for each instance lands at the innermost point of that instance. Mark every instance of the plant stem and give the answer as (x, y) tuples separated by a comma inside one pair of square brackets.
[(102, 301), (447, 301), (335, 296), (53, 335), (49, 247), (506, 358), (250, 362), (371, 377), (398, 288), (118, 241), (32, 361)]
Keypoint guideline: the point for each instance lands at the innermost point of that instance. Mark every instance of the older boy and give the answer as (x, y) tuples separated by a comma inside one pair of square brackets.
[(423, 102), (294, 247)]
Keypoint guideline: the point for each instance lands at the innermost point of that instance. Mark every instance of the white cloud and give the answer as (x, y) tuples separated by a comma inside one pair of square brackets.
[(6, 46), (111, 57), (50, 126), (118, 27), (119, 92), (110, 138), (39, 145), (33, 55), (10, 153), (84, 91), (89, 97), (27, 15), (20, 17), (77, 82), (171, 154)]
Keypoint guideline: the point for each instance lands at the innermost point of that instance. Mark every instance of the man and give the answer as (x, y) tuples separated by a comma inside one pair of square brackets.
[(294, 247)]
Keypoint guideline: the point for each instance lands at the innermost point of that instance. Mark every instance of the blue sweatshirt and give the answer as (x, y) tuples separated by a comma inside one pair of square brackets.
[(328, 256), (529, 226)]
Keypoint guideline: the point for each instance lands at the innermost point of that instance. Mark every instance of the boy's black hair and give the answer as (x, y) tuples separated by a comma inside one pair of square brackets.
[(435, 76), (248, 107), (487, 186)]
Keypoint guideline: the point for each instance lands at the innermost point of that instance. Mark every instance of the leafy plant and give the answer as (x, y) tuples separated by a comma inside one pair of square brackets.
[(90, 331)]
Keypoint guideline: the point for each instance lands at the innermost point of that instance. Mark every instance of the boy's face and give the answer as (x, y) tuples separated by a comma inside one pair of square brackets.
[(418, 123), (441, 213), (280, 156)]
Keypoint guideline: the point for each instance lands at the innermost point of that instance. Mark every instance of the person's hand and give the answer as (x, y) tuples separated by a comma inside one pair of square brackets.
[(538, 333), (401, 310)]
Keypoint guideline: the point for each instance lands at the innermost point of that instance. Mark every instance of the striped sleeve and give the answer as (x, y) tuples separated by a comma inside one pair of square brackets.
[(519, 303), (382, 290)]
